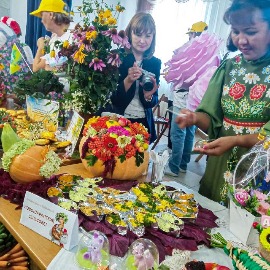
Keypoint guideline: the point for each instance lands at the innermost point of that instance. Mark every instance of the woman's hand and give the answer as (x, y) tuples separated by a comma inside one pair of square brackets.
[(134, 73), (186, 119), (218, 146), (41, 42), (149, 94)]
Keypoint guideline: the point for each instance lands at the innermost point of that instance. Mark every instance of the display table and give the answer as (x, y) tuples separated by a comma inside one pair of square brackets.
[(46, 255), (40, 249)]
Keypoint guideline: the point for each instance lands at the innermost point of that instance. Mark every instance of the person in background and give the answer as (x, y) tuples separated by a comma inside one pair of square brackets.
[(189, 71), (10, 32), (236, 104), (55, 17), (137, 93)]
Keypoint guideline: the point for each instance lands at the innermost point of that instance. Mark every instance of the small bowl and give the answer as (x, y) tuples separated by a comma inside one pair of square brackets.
[(68, 205)]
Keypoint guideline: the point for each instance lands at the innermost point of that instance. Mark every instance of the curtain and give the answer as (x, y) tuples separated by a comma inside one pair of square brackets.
[(34, 27)]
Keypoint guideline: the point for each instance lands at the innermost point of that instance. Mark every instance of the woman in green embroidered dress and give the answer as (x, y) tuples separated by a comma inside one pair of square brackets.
[(236, 105)]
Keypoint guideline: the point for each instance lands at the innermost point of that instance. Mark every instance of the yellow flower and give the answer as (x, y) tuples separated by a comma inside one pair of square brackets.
[(65, 44), (107, 13), (111, 21), (119, 8), (91, 35), (92, 120), (113, 135), (129, 204), (118, 207), (79, 57), (52, 53), (143, 198), (140, 217), (265, 238), (112, 123), (137, 192), (1, 66)]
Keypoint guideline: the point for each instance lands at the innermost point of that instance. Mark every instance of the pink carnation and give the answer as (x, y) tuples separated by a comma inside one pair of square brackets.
[(260, 196), (263, 208), (242, 197)]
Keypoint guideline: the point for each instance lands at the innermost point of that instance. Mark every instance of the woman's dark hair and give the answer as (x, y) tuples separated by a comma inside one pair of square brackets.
[(229, 44), (246, 7), (142, 23)]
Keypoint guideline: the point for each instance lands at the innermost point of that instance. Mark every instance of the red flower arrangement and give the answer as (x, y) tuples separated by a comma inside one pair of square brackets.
[(12, 24), (110, 138)]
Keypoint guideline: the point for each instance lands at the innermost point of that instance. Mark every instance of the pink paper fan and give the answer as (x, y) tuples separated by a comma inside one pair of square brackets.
[(191, 60), (197, 90)]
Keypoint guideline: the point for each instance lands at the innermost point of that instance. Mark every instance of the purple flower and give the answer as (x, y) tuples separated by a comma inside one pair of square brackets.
[(119, 131), (125, 41), (242, 197), (112, 33), (97, 63), (114, 59)]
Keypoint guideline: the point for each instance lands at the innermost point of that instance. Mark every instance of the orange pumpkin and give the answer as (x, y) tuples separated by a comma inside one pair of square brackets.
[(126, 170), (25, 167)]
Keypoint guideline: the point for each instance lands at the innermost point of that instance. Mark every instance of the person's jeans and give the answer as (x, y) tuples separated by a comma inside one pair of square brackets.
[(182, 144)]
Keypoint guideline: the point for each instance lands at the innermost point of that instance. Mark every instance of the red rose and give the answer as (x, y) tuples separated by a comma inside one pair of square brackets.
[(257, 91), (237, 59), (237, 90)]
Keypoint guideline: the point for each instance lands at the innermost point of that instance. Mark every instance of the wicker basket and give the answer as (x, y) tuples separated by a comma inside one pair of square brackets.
[(264, 253)]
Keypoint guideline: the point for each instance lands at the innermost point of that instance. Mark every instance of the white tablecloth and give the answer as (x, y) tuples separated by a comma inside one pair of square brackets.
[(65, 259)]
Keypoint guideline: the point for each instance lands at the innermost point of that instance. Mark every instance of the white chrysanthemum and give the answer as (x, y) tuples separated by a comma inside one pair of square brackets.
[(251, 78), (228, 176), (123, 141)]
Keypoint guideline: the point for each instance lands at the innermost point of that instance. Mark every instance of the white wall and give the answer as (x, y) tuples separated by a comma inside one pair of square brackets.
[(18, 11), (123, 20)]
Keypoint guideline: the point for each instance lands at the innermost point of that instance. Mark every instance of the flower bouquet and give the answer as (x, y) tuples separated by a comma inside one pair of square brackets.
[(113, 147), (251, 180), (249, 191), (93, 56)]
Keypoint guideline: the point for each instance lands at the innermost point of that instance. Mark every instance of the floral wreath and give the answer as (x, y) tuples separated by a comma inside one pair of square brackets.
[(12, 24)]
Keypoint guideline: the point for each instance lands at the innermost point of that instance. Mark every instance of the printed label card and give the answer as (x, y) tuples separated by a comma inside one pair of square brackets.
[(51, 221)]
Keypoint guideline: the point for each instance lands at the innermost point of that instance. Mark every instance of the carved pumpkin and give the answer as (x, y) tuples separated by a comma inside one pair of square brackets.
[(126, 170), (25, 167)]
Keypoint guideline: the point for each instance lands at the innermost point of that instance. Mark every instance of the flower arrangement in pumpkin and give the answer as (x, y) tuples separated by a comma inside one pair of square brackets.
[(112, 137), (253, 195), (94, 56)]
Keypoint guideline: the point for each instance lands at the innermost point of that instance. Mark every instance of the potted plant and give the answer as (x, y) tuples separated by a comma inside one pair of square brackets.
[(41, 84)]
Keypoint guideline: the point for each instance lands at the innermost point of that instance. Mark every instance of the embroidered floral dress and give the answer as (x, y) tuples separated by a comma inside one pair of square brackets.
[(238, 102)]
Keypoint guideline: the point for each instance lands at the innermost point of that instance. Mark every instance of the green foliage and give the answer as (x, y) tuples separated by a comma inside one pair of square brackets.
[(38, 85), (91, 160)]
